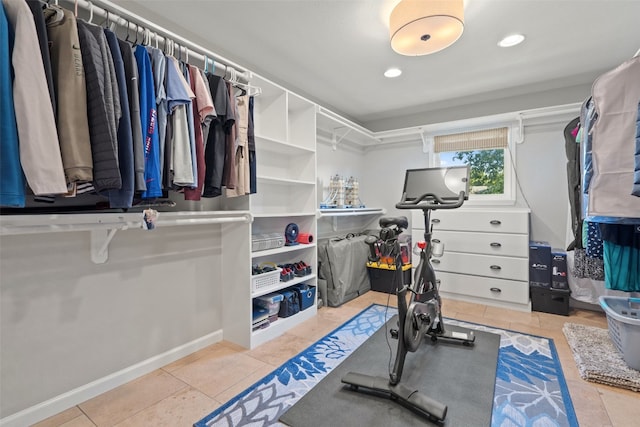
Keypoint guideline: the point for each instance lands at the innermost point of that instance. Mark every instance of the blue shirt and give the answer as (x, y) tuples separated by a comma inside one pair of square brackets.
[(148, 118), (12, 186)]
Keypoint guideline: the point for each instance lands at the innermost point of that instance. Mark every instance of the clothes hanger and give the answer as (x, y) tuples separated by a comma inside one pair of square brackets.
[(128, 35), (90, 12), (58, 11), (137, 30)]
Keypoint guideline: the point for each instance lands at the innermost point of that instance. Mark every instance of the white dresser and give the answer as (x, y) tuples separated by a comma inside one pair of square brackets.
[(486, 254)]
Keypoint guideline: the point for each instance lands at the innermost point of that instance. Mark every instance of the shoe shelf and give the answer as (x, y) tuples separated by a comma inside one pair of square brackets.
[(284, 285)]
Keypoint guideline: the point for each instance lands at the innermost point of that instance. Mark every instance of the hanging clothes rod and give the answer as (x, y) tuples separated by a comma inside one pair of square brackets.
[(129, 20)]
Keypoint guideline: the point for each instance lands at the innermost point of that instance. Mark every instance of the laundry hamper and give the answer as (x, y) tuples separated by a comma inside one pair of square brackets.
[(623, 317)]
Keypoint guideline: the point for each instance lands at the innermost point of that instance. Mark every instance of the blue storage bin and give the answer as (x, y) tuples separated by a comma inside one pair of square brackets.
[(306, 295), (290, 304)]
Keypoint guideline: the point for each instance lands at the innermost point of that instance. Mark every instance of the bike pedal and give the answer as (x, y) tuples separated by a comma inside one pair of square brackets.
[(394, 333)]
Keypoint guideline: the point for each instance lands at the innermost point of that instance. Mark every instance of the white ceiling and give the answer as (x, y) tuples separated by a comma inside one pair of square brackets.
[(335, 51)]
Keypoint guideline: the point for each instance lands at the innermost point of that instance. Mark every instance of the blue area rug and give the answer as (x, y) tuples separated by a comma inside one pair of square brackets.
[(530, 386)]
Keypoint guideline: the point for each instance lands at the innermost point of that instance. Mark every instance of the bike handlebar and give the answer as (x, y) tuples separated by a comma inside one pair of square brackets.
[(431, 201)]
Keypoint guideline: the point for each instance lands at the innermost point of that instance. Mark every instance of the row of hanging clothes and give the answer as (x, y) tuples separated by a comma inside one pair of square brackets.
[(603, 151), (86, 112)]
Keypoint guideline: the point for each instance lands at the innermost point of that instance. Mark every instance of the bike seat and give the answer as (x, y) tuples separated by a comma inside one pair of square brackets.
[(398, 221)]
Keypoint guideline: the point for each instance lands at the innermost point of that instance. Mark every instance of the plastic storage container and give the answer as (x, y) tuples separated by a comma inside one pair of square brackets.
[(270, 301), (623, 317)]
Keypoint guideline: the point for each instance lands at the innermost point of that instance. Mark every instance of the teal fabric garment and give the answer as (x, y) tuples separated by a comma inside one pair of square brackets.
[(12, 186), (621, 267)]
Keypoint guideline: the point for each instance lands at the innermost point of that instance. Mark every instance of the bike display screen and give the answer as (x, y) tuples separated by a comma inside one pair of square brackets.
[(444, 182)]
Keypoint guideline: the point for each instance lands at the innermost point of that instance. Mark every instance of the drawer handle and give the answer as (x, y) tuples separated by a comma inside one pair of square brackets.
[(435, 261), (495, 267), (435, 240), (495, 222), (495, 244), (498, 290), (435, 220)]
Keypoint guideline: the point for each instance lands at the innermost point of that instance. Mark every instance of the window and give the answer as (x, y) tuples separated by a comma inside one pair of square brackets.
[(487, 153)]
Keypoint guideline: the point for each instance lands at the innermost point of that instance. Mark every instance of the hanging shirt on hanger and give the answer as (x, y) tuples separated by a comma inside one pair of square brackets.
[(123, 197), (159, 67), (205, 116), (251, 138), (70, 85), (12, 192), (36, 7), (179, 94), (203, 108), (148, 119), (39, 147), (100, 103), (241, 150), (215, 148), (133, 92), (229, 177), (190, 125)]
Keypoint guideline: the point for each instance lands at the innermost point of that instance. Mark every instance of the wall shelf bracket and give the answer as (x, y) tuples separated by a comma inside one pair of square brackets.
[(100, 240)]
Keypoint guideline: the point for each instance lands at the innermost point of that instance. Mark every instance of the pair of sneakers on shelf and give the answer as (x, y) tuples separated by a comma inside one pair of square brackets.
[(290, 271), (261, 269)]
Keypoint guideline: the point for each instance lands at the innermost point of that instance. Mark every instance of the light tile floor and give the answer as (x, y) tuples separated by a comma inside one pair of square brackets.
[(187, 390)]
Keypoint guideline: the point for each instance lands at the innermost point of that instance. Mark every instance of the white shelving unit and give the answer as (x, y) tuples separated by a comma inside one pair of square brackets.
[(285, 128)]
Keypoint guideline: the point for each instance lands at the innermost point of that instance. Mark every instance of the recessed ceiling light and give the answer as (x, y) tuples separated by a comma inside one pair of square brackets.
[(392, 72), (511, 40)]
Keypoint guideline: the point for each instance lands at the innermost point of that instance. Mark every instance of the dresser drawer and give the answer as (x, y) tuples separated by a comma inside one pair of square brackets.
[(513, 245), (484, 287), (483, 265), (504, 221)]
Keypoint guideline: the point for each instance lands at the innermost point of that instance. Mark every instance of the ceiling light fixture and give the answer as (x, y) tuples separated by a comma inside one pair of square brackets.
[(392, 72), (511, 40), (421, 27)]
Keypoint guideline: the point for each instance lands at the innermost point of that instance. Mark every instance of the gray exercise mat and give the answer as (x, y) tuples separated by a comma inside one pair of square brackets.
[(463, 378)]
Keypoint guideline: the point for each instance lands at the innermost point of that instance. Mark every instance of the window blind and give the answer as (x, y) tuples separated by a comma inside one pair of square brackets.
[(476, 140)]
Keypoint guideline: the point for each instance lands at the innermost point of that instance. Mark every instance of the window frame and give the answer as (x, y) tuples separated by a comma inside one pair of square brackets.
[(509, 195)]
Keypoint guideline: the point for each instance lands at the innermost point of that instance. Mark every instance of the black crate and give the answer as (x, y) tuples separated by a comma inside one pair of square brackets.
[(386, 280), (554, 301)]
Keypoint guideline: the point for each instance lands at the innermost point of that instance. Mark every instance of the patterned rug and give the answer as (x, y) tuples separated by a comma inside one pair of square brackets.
[(530, 386), (597, 358)]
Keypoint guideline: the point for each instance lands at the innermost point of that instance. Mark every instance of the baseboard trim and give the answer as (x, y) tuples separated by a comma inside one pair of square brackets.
[(78, 395)]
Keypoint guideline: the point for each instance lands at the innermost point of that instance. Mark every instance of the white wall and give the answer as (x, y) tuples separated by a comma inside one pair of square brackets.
[(384, 174), (66, 321), (541, 169), (542, 172), (345, 160)]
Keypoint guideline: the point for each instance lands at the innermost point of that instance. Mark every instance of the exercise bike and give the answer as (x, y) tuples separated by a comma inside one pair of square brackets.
[(421, 316)]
